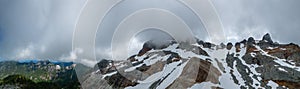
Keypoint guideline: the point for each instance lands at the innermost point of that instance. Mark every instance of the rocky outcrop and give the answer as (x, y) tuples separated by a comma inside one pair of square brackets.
[(237, 47), (105, 66), (229, 46), (242, 69), (196, 71), (222, 46), (154, 45), (250, 41), (295, 57), (119, 81), (146, 47), (192, 48), (205, 44), (271, 70), (267, 38)]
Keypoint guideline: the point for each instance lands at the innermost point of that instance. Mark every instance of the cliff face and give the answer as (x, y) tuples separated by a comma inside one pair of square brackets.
[(247, 64)]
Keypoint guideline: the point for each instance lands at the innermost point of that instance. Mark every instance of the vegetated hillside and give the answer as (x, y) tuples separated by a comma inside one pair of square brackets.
[(39, 74)]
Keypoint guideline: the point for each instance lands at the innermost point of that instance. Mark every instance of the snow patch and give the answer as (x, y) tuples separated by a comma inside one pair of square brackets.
[(203, 85), (272, 84), (281, 69), (109, 74), (253, 54)]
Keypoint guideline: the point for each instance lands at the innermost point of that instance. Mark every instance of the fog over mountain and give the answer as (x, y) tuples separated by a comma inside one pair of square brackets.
[(43, 29)]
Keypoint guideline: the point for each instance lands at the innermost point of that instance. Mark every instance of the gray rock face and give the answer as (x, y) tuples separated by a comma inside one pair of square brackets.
[(200, 42), (270, 70), (243, 42), (95, 82), (229, 46), (157, 44), (295, 57), (153, 44), (207, 45), (119, 81), (250, 41), (242, 69), (105, 66), (222, 46), (103, 63), (196, 70), (237, 47), (267, 38), (230, 59), (279, 55)]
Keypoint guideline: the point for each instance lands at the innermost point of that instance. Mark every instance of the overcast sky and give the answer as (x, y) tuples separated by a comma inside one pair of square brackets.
[(42, 29)]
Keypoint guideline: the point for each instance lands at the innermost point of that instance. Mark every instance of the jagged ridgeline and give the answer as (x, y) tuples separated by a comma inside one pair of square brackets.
[(249, 64), (39, 75)]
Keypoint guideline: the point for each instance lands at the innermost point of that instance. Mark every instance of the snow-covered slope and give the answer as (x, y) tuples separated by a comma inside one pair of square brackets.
[(249, 64)]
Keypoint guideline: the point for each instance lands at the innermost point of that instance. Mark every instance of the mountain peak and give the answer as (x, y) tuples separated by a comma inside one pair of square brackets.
[(267, 38)]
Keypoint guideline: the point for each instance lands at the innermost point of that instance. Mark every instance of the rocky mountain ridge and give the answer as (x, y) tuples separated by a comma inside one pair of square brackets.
[(249, 64)]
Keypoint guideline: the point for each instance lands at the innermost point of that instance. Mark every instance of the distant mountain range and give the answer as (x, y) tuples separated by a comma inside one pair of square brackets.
[(34, 74), (249, 64)]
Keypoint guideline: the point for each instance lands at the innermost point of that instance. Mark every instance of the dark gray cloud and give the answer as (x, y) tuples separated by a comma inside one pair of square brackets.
[(117, 14), (37, 28), (44, 28)]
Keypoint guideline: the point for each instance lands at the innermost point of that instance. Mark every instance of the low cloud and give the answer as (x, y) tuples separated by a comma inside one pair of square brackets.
[(26, 53), (74, 57), (29, 52)]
